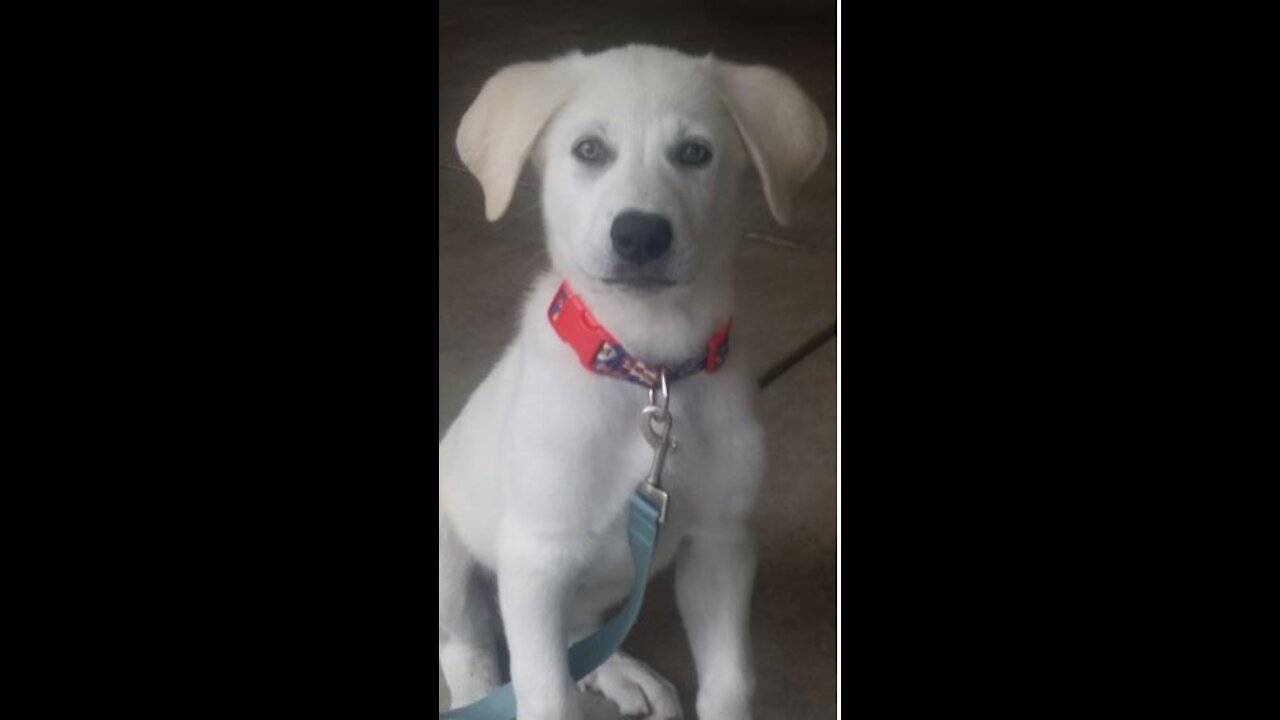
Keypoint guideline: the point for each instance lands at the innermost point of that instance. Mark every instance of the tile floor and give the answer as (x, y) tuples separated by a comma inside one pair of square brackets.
[(786, 297)]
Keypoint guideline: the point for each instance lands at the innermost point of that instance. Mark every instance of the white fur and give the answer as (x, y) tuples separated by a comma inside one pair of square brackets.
[(536, 471)]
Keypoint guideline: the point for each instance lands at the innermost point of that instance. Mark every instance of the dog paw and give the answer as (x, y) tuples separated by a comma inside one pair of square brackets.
[(635, 688), (566, 705), (724, 708)]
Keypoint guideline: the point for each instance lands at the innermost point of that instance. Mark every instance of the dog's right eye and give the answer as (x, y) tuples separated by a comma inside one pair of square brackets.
[(590, 151)]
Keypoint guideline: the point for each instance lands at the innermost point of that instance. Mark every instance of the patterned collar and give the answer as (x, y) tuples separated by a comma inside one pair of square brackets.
[(599, 352)]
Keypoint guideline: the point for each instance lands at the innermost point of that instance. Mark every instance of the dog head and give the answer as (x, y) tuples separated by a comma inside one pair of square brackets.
[(641, 150)]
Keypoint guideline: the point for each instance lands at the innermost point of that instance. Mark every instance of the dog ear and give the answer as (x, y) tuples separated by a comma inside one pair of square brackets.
[(783, 129), (500, 127)]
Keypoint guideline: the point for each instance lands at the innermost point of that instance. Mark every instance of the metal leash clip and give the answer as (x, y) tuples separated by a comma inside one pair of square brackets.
[(656, 423), (655, 419)]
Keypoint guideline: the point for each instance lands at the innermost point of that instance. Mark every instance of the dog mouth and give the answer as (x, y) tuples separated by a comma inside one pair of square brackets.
[(639, 282)]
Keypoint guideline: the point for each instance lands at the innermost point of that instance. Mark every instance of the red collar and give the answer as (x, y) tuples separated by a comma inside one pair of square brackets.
[(600, 352)]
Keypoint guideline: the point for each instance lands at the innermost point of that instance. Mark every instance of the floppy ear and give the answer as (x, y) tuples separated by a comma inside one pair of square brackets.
[(500, 127), (783, 129)]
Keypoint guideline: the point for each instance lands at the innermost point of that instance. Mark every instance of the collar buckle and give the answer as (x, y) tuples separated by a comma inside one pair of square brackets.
[(718, 348), (578, 327)]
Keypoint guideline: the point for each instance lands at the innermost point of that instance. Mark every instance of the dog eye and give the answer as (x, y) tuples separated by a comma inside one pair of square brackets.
[(693, 154), (590, 151)]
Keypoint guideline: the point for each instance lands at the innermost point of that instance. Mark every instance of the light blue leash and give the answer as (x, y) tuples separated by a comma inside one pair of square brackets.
[(648, 510)]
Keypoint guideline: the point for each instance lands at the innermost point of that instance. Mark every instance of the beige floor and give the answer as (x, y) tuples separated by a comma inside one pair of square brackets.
[(787, 295)]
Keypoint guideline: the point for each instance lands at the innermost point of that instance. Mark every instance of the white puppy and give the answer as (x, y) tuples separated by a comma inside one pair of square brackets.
[(642, 150)]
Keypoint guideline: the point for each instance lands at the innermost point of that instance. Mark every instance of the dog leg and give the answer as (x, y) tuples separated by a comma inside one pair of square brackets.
[(714, 575), (535, 574), (468, 646), (635, 688)]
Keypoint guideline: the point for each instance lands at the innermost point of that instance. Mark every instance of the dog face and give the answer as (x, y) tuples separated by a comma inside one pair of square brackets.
[(641, 168), (642, 150)]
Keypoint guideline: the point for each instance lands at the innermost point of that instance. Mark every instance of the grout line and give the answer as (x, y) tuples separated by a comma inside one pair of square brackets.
[(459, 168), (534, 206), (794, 358), (509, 217), (788, 243)]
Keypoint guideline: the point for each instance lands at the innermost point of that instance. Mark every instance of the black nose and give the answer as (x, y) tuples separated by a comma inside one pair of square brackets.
[(640, 237)]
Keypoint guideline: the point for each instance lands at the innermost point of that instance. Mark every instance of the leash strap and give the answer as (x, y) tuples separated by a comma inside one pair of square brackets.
[(590, 653)]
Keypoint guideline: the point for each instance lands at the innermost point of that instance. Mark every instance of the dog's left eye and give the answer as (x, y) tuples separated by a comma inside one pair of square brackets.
[(590, 151), (693, 154)]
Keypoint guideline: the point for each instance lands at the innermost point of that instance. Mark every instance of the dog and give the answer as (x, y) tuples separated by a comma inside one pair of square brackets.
[(642, 152)]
